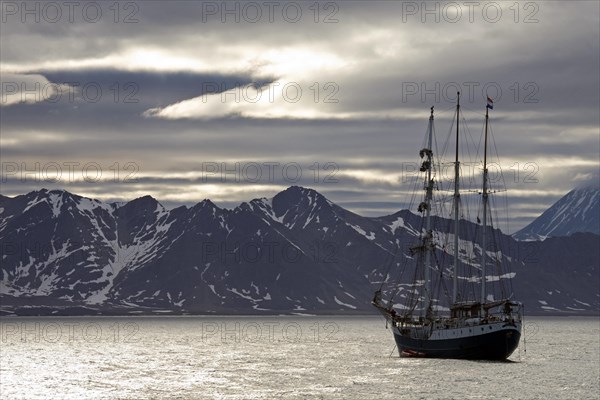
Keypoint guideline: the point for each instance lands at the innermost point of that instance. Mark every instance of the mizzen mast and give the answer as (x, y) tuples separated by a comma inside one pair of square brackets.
[(484, 196), (456, 207)]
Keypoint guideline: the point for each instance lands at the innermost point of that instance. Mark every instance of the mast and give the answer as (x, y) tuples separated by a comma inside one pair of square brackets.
[(428, 245), (485, 204), (456, 207)]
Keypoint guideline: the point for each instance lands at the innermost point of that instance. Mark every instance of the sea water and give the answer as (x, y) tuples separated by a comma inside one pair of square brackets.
[(279, 357)]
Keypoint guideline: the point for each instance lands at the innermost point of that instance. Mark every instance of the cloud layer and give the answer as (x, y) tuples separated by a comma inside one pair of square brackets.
[(340, 90)]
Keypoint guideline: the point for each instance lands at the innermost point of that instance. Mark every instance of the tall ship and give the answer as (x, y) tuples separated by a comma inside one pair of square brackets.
[(458, 303)]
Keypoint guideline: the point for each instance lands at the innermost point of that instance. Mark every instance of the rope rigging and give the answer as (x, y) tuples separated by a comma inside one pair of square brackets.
[(442, 265)]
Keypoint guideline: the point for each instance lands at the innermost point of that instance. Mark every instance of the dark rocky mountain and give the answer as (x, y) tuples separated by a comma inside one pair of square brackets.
[(295, 253), (577, 211)]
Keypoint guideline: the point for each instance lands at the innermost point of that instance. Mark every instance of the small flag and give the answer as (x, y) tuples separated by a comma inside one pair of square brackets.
[(490, 103)]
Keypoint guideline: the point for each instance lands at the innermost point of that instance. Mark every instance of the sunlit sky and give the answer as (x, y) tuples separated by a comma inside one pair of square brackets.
[(234, 101)]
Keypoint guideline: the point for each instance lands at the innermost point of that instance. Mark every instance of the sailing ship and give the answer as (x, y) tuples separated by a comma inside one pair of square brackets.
[(475, 326)]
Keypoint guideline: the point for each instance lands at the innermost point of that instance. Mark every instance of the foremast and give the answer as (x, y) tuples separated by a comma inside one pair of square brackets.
[(427, 166)]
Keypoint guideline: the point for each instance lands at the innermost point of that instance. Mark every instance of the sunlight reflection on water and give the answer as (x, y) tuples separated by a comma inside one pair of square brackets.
[(278, 357)]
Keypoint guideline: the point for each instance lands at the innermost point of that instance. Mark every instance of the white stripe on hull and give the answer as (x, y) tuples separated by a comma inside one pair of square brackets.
[(462, 332)]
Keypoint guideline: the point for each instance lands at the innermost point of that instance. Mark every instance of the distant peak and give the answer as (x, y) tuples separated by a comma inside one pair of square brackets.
[(261, 200), (146, 198), (577, 211), (298, 198), (43, 192), (146, 201), (300, 191), (206, 203), (56, 192), (53, 194), (63, 194)]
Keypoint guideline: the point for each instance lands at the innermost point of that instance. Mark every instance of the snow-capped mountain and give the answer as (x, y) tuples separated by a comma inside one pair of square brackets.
[(577, 211), (294, 253)]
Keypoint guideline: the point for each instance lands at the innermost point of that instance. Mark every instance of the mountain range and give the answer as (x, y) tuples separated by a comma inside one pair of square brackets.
[(296, 253)]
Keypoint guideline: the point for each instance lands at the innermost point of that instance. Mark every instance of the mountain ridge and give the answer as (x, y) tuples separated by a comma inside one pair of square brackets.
[(297, 252)]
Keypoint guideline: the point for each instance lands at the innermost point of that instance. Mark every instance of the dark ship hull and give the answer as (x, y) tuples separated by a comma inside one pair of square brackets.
[(496, 345)]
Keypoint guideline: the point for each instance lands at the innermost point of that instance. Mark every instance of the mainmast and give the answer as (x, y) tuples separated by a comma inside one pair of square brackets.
[(456, 207), (428, 242), (485, 204)]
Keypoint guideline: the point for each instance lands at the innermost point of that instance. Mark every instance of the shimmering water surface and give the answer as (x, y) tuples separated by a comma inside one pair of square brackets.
[(279, 357)]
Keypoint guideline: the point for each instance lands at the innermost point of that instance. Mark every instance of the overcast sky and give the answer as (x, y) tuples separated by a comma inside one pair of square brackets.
[(234, 101)]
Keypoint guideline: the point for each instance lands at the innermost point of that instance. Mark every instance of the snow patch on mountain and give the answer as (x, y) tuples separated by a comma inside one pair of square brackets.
[(399, 223), (341, 303)]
